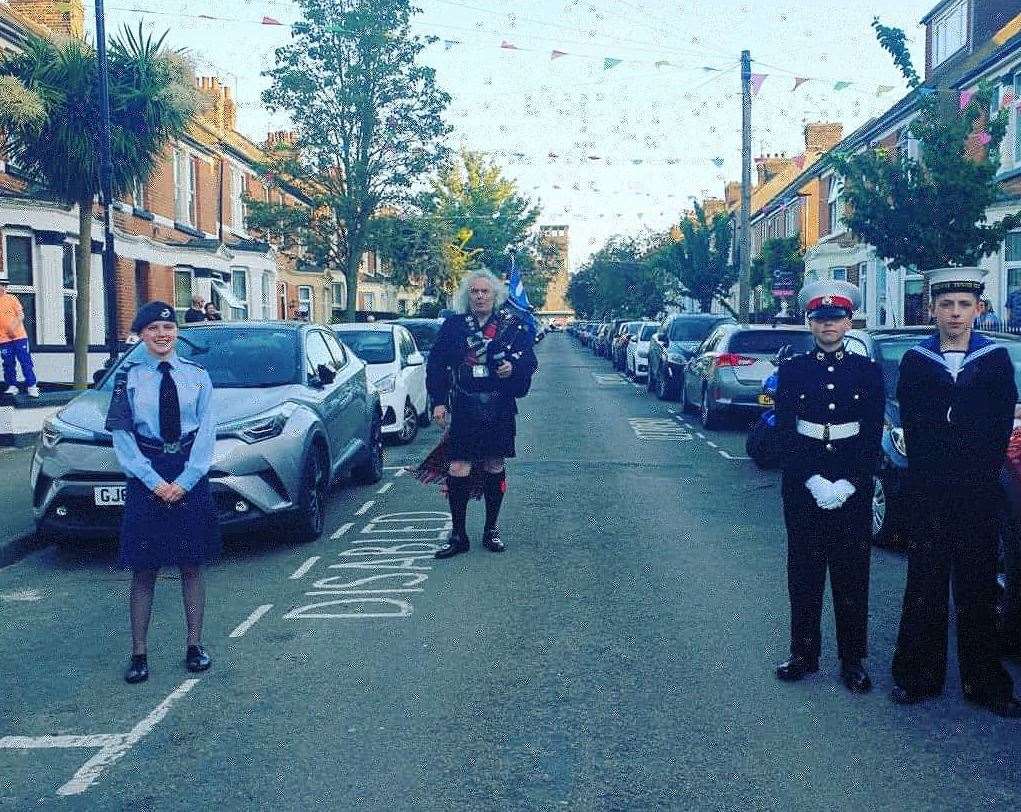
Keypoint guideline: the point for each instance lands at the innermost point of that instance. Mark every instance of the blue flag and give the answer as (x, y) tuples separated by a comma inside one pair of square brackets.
[(518, 299)]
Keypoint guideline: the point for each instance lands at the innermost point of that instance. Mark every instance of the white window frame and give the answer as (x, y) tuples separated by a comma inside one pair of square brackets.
[(138, 190), (838, 274), (306, 297), (1011, 265), (833, 201), (863, 286), (177, 308), (267, 295), (240, 313), (908, 146), (185, 187), (282, 303), (793, 224), (32, 289), (949, 32), (338, 300), (237, 203)]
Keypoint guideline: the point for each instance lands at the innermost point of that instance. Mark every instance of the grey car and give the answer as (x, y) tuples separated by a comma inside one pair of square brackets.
[(294, 413), (726, 372)]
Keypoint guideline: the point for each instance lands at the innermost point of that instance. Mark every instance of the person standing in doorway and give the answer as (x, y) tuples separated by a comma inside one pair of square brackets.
[(196, 312), (14, 345), (829, 421), (164, 431), (957, 398)]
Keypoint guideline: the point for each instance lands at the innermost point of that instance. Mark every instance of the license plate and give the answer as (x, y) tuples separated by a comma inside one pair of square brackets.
[(765, 400), (111, 495)]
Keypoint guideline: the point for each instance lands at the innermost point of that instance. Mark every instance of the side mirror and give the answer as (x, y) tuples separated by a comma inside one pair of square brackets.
[(326, 375), (416, 359)]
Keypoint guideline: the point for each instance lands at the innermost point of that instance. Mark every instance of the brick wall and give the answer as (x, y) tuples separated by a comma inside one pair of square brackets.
[(61, 16), (125, 272)]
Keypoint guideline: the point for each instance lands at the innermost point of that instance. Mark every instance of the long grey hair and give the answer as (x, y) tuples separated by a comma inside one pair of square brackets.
[(461, 303)]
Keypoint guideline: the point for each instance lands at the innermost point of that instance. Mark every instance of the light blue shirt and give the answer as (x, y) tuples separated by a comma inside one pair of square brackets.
[(194, 392)]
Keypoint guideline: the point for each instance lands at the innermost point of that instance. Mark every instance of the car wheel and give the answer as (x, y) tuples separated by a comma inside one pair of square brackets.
[(882, 521), (710, 416), (409, 429), (370, 471), (315, 482), (662, 392), (686, 406)]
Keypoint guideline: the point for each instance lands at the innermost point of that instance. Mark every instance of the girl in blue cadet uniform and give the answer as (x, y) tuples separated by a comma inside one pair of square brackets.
[(163, 434)]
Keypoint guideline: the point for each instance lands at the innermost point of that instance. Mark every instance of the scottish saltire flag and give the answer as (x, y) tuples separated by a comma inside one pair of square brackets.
[(518, 299)]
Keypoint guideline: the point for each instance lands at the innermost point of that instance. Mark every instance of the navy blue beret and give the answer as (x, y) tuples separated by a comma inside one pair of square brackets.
[(153, 311)]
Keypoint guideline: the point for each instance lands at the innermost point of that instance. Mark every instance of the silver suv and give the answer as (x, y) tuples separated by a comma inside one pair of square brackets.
[(294, 412)]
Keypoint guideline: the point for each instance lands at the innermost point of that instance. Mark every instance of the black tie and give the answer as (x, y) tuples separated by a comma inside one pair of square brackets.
[(170, 406)]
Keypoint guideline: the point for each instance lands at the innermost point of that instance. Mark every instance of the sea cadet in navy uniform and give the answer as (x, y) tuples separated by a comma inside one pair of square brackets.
[(957, 395), (163, 432), (829, 419)]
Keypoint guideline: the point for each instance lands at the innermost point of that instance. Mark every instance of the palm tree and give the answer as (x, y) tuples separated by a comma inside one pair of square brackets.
[(49, 112)]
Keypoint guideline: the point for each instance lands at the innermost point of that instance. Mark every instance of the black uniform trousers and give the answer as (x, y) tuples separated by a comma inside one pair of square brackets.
[(958, 547), (836, 540)]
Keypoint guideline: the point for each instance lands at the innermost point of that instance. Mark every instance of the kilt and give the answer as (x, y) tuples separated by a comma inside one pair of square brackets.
[(155, 534), (482, 426)]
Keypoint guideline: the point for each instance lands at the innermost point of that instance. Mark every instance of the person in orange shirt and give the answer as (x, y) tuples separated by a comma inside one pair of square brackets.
[(14, 344)]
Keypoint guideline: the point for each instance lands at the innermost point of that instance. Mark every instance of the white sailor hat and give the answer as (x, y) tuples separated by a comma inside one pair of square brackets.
[(956, 280), (829, 299)]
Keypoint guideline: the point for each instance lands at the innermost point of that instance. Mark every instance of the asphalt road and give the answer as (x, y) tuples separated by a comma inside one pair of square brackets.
[(619, 656)]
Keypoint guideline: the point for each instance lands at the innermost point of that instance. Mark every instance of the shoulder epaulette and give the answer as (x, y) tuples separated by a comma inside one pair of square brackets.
[(191, 363)]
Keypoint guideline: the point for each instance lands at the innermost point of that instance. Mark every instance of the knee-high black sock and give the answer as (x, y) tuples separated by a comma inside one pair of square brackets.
[(457, 495), (494, 486)]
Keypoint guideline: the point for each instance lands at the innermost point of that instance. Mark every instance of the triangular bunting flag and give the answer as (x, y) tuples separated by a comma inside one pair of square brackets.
[(270, 21), (883, 89), (557, 55), (450, 43), (798, 82), (717, 162), (799, 161), (508, 46), (610, 62), (710, 68), (842, 85), (966, 97), (636, 161), (756, 80), (662, 63)]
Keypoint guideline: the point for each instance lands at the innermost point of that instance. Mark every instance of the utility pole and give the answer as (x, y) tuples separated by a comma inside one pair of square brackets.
[(106, 186), (745, 239)]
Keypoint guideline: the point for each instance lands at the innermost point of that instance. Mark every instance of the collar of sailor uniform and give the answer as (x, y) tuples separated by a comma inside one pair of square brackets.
[(834, 355)]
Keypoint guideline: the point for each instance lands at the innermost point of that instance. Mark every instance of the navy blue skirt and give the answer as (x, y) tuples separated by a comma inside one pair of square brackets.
[(155, 534)]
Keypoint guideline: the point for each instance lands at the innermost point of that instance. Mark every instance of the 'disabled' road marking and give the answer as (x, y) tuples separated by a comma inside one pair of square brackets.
[(364, 508), (340, 531), (304, 568), (251, 620), (384, 489)]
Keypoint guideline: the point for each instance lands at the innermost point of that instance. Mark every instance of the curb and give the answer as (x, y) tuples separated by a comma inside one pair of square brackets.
[(19, 547)]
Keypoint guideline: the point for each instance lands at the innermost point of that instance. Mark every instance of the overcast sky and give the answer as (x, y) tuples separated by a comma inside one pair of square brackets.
[(632, 140)]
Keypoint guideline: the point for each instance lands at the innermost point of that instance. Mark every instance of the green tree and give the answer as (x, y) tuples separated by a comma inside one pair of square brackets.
[(582, 292), (929, 213), (699, 263), (369, 125), (780, 255), (49, 105), (621, 279)]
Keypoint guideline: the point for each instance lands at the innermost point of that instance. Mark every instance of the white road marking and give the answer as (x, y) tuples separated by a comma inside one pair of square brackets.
[(711, 444), (112, 753), (392, 467), (609, 380), (36, 742), (401, 471), (304, 568), (384, 489), (652, 428), (725, 455), (701, 436), (22, 596), (342, 530), (364, 508), (251, 620)]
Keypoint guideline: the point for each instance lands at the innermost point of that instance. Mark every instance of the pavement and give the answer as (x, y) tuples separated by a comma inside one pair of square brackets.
[(619, 656)]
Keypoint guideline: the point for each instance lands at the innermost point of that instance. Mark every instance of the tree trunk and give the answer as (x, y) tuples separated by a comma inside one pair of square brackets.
[(351, 275), (83, 273)]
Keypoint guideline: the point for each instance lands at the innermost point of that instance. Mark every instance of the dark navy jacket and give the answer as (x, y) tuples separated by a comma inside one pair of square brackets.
[(834, 388), (956, 431)]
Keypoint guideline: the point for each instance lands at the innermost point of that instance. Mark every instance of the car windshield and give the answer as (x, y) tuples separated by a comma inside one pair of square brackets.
[(769, 342), (691, 329), (632, 327), (425, 333), (891, 349), (235, 358), (372, 346), (648, 331)]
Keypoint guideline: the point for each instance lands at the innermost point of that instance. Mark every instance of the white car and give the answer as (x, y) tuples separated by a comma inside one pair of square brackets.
[(396, 368), (637, 365)]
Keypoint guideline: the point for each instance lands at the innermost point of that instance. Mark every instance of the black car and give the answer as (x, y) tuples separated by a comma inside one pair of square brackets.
[(673, 346), (424, 332)]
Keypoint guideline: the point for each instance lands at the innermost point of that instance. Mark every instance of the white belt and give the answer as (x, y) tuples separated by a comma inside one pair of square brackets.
[(828, 431)]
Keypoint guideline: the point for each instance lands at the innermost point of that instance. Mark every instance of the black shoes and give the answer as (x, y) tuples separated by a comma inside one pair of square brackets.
[(855, 677), (197, 660), (796, 668), (455, 544), (491, 540), (1006, 706), (138, 669)]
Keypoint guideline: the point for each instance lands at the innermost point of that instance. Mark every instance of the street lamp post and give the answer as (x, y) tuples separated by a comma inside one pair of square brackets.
[(106, 185)]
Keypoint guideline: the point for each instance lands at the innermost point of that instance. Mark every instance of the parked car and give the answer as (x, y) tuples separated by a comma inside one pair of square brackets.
[(397, 370), (673, 346), (294, 412), (424, 331), (618, 349), (728, 369), (601, 339), (637, 357), (606, 343)]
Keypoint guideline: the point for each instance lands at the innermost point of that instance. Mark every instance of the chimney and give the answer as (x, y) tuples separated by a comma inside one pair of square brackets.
[(713, 206), (65, 17), (222, 112), (280, 140), (732, 194), (769, 166), (822, 136)]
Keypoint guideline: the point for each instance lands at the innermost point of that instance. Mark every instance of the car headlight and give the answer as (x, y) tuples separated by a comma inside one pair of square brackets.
[(259, 427), (55, 430), (387, 383), (50, 434)]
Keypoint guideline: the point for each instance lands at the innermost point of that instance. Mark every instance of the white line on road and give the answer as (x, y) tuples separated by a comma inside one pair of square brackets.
[(112, 753), (251, 620), (304, 568), (401, 471), (364, 508), (342, 530), (725, 455), (701, 436), (35, 742), (392, 467), (384, 489), (711, 444)]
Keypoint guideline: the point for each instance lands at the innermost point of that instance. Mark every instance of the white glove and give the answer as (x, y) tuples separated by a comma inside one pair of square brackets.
[(823, 492)]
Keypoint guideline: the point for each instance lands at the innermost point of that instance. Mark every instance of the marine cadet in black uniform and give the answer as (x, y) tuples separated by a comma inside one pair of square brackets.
[(829, 420), (957, 395), (164, 431), (481, 362)]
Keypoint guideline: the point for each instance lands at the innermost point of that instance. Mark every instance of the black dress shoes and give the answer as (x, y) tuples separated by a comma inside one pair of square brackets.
[(1006, 706), (796, 668), (855, 677), (455, 544), (902, 696), (197, 660), (138, 669), (491, 541)]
